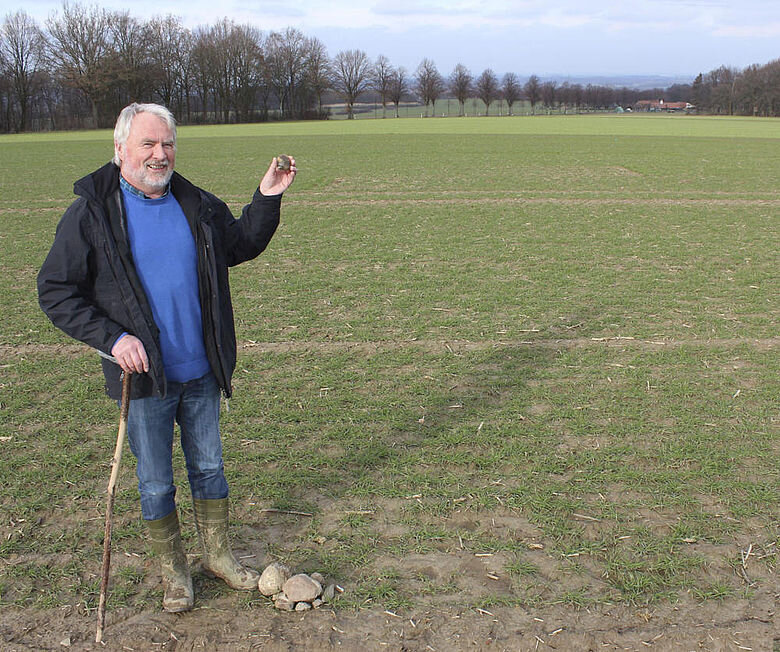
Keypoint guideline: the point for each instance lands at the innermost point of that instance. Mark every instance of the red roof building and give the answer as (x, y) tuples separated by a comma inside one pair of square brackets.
[(660, 105)]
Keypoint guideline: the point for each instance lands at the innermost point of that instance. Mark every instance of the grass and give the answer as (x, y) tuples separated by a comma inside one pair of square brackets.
[(546, 345)]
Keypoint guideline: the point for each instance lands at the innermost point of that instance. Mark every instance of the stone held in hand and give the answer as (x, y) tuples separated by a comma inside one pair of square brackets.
[(273, 578), (283, 162), (302, 588)]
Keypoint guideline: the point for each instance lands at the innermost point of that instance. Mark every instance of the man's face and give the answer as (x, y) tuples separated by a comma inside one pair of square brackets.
[(148, 156)]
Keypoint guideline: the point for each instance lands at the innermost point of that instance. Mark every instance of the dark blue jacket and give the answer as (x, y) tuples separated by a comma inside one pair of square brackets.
[(89, 288)]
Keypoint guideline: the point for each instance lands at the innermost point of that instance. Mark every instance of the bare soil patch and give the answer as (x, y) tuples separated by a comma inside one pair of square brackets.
[(688, 625), (444, 581), (459, 598)]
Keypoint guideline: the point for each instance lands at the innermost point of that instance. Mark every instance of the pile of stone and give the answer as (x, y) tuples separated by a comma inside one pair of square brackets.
[(299, 592)]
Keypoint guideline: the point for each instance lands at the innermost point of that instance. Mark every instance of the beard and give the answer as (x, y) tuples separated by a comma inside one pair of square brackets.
[(154, 178)]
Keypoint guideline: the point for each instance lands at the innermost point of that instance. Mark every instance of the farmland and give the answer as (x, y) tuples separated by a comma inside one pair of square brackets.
[(509, 381)]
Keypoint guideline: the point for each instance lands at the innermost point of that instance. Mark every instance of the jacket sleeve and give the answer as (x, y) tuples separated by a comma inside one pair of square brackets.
[(66, 284), (247, 238)]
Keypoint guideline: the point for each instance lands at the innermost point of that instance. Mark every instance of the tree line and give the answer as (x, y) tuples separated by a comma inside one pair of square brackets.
[(85, 63), (754, 91)]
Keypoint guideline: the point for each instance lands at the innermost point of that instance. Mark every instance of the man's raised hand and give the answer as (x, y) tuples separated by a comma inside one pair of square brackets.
[(276, 181)]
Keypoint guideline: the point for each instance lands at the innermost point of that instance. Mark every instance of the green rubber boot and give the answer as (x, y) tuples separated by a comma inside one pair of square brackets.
[(166, 542), (211, 518)]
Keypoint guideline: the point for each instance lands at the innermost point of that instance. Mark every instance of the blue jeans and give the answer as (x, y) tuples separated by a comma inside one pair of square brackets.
[(194, 405)]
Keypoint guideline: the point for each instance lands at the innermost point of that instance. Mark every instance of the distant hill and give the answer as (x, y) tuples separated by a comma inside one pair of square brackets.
[(636, 82)]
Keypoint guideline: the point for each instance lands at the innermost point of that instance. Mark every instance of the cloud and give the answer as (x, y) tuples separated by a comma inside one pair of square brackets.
[(767, 30), (722, 17), (718, 17), (415, 9), (520, 35), (264, 9)]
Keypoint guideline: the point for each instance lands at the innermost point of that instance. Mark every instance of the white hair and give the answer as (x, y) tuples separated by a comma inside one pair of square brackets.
[(125, 120)]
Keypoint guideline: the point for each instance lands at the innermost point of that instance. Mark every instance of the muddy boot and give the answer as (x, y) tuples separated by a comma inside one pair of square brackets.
[(211, 517), (166, 542)]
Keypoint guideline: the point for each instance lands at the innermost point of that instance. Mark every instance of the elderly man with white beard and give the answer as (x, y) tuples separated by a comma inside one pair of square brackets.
[(139, 270)]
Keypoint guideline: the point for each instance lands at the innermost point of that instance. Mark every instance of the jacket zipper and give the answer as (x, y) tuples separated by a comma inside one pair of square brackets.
[(213, 318)]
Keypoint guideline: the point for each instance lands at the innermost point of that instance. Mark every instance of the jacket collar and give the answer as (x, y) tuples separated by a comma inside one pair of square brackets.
[(104, 182), (100, 184)]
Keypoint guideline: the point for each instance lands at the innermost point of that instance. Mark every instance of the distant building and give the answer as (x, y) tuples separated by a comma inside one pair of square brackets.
[(660, 105)]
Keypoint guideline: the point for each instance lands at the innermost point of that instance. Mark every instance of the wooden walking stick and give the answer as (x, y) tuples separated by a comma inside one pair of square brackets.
[(120, 441)]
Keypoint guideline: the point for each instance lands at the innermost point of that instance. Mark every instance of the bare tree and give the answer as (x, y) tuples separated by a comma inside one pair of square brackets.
[(565, 95), (276, 68), (6, 95), (487, 88), (245, 60), (185, 64), (399, 86), (722, 81), (286, 56), (591, 96), (219, 36), (510, 86), (351, 76), (166, 40), (773, 87), (577, 95), (600, 97), (573, 95), (429, 84), (697, 92), (231, 56), (460, 86), (533, 91), (317, 70), (751, 96), (548, 94), (80, 47), (380, 82), (203, 70), (131, 47), (266, 88), (21, 52)]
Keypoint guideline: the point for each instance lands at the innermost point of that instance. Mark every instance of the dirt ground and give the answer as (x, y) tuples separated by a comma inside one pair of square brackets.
[(219, 624), (688, 626), (223, 620)]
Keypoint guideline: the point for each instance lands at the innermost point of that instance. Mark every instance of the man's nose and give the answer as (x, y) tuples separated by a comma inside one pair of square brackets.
[(159, 151)]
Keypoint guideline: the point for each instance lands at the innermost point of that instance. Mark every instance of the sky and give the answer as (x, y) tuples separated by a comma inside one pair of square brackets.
[(549, 38)]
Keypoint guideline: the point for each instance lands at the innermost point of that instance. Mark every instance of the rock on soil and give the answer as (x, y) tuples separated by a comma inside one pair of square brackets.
[(302, 588), (299, 592), (273, 578)]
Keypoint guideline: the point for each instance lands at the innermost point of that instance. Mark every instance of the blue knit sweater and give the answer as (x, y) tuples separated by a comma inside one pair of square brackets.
[(166, 261)]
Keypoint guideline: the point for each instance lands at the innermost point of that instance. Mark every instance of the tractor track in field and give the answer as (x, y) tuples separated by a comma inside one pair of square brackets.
[(528, 201), (310, 198), (69, 350)]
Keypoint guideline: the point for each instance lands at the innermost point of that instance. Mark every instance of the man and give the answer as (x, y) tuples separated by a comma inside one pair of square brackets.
[(139, 269)]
